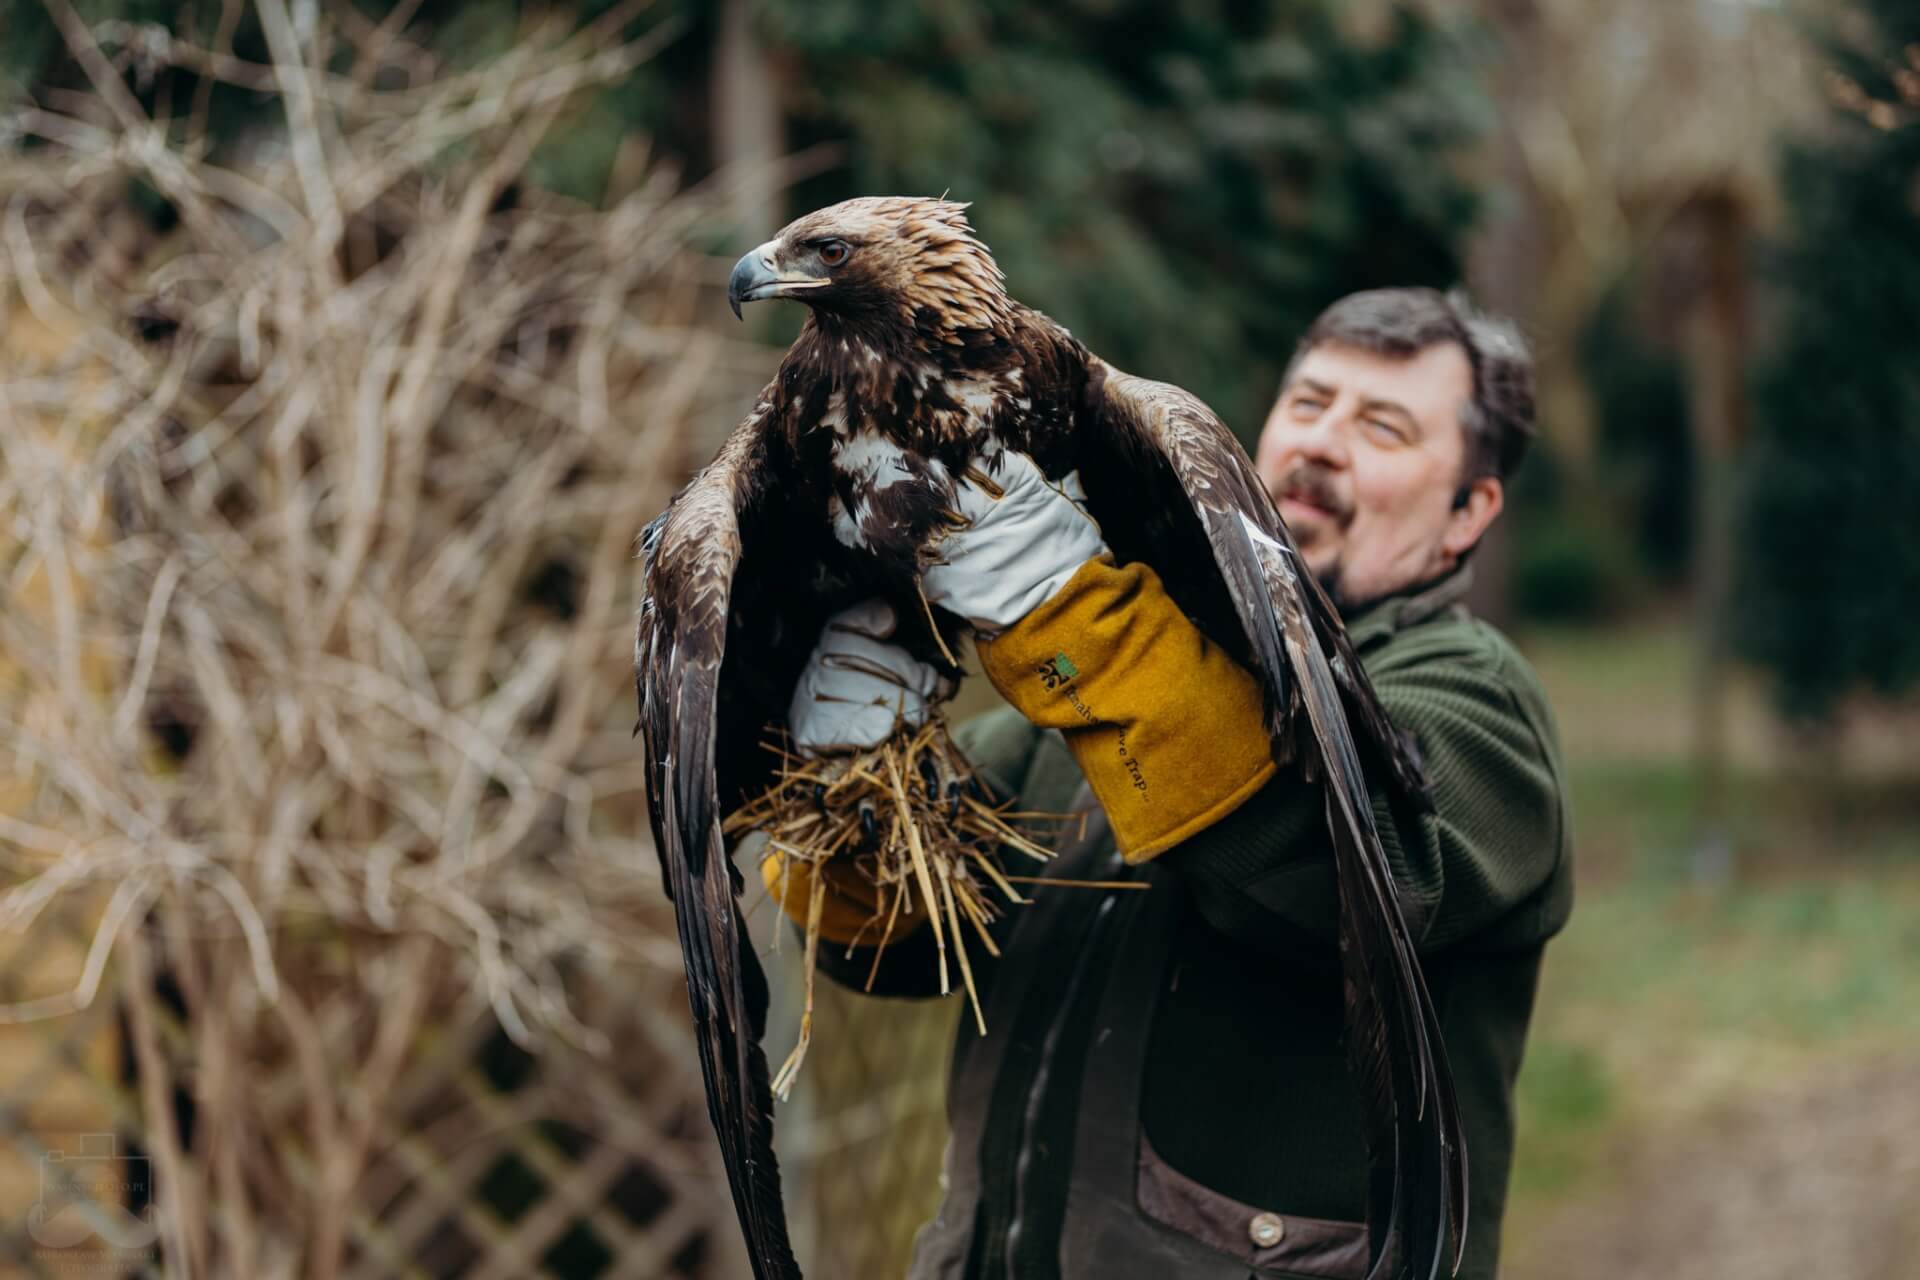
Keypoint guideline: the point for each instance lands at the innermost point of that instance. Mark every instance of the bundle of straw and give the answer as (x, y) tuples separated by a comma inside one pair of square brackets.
[(910, 818)]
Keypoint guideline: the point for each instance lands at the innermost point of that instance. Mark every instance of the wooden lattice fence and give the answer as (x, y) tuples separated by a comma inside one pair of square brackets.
[(493, 1162)]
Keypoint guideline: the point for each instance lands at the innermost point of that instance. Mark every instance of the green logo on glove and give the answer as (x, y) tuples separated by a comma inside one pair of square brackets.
[(1057, 670)]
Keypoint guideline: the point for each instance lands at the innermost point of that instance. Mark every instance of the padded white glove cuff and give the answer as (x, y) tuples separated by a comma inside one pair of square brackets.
[(856, 687), (1020, 548)]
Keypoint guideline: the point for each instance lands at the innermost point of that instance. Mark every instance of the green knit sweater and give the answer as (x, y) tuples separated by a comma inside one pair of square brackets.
[(1246, 1090)]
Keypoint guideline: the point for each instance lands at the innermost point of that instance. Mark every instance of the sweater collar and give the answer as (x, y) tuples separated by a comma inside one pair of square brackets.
[(1381, 618)]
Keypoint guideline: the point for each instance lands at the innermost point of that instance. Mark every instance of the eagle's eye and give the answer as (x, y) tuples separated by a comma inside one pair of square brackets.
[(834, 252)]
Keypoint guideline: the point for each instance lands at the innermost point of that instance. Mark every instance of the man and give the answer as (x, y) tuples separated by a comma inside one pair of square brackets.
[(1163, 1090)]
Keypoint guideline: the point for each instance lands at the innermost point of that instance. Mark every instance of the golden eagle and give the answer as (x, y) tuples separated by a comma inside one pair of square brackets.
[(912, 361)]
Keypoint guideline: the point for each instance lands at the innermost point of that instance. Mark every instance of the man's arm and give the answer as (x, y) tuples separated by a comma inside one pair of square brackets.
[(1484, 859), (1170, 735), (1176, 750)]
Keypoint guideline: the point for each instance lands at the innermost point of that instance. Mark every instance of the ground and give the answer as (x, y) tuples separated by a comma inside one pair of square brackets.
[(1719, 1082)]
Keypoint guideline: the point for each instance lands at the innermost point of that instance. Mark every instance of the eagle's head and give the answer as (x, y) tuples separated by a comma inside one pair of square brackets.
[(881, 265)]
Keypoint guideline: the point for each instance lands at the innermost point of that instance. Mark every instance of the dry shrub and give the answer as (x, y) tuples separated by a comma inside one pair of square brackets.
[(318, 583)]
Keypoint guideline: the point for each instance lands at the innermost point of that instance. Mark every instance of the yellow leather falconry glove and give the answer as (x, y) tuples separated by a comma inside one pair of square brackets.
[(848, 906), (1167, 728)]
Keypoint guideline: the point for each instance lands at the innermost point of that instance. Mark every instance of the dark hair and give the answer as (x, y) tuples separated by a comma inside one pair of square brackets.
[(1497, 420)]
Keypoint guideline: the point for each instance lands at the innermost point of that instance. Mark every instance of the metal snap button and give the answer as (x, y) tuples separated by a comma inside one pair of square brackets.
[(1267, 1229)]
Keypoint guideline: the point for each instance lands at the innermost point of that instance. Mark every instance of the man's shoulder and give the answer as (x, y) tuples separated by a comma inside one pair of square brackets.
[(1467, 691), (1458, 641), (1455, 668), (1495, 650)]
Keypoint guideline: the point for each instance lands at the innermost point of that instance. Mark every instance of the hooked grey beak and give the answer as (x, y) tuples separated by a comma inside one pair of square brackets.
[(755, 277)]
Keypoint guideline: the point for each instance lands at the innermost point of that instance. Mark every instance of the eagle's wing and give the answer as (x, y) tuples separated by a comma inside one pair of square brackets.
[(1171, 486), (698, 731)]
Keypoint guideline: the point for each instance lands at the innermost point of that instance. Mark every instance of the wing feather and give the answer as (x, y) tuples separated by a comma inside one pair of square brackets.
[(691, 556), (1209, 500)]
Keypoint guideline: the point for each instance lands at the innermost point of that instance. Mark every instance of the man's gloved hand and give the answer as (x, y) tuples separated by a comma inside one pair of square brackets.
[(857, 688), (1168, 730), (1027, 537)]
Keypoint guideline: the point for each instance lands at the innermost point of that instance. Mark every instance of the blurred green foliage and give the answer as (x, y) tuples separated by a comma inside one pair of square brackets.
[(1595, 539), (31, 52), (1569, 570), (1830, 535), (1564, 1096), (1645, 458), (1184, 185), (1569, 562)]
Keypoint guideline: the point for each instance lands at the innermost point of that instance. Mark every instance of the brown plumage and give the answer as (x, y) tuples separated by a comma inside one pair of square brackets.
[(913, 357)]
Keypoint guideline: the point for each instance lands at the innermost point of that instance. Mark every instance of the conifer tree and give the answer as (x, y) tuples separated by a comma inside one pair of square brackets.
[(1830, 532)]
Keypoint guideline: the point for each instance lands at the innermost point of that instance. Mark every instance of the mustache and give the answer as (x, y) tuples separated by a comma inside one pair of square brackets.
[(1313, 483)]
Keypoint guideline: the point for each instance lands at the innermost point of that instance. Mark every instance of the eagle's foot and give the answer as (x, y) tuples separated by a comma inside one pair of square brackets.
[(904, 831)]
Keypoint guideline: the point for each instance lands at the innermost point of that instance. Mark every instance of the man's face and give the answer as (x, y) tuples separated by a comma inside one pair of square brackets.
[(1364, 454)]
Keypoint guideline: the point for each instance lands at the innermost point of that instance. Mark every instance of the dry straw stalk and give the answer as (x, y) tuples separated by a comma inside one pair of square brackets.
[(910, 820)]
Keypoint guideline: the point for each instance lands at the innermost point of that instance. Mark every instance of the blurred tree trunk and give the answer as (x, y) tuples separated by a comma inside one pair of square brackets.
[(747, 126), (1503, 268), (1614, 119), (1714, 344)]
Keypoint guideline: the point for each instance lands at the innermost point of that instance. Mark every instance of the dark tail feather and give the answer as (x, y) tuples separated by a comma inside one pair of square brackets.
[(726, 987), (1417, 1175)]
